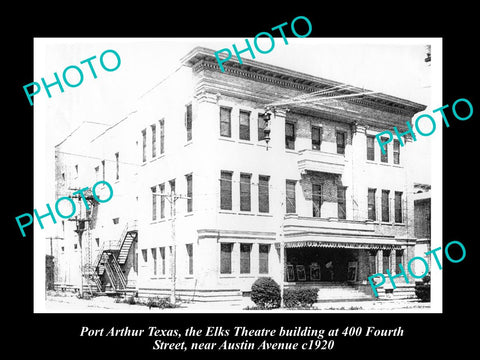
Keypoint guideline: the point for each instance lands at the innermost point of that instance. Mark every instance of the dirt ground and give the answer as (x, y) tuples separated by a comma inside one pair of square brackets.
[(69, 303)]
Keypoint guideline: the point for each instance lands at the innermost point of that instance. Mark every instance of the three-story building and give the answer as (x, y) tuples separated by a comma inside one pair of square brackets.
[(318, 204)]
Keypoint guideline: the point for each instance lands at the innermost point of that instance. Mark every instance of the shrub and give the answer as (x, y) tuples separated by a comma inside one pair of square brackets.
[(128, 300), (422, 291), (300, 297), (162, 303), (266, 293)]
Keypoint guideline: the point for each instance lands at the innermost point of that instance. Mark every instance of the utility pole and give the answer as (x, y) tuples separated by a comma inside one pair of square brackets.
[(172, 198)]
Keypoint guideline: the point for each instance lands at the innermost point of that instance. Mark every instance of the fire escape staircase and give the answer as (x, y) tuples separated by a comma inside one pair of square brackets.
[(112, 256)]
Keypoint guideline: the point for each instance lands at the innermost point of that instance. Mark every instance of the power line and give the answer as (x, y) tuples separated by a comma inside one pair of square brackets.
[(97, 158)]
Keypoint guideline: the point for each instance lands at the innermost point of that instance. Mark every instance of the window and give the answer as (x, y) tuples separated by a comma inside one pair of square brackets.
[(316, 199), (226, 258), (226, 190), (162, 201), (290, 135), (154, 203), (384, 156), (263, 251), (103, 170), (162, 136), (385, 206), (372, 215), (144, 145), (154, 140), (290, 196), (190, 258), (245, 250), (172, 186), (75, 246), (370, 147), (188, 121), (76, 171), (396, 151), (316, 137), (162, 260), (117, 166), (116, 221), (154, 257), (386, 261), (225, 122), (398, 207), (398, 260), (189, 192), (145, 255), (245, 192), (97, 172), (263, 194), (341, 142), (261, 127), (244, 125), (63, 174), (372, 262), (342, 203)]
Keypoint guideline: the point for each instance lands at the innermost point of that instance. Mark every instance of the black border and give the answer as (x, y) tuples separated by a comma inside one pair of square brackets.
[(56, 335)]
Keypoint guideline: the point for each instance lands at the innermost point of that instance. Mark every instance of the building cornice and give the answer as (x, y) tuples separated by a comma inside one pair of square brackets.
[(201, 59)]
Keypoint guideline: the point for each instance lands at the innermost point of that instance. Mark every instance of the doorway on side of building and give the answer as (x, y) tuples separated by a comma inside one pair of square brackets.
[(320, 264)]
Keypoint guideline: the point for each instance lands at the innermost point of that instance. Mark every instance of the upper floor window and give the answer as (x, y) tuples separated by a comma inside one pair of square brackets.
[(290, 196), (154, 140), (162, 136), (245, 192), (144, 145), (172, 186), (244, 125), (370, 147), (398, 206), (154, 203), (384, 153), (341, 135), (188, 121), (316, 137), (263, 194), (371, 205), (290, 135), (225, 122), (189, 192), (396, 151), (226, 190), (316, 199), (385, 205), (261, 126), (162, 200), (341, 202)]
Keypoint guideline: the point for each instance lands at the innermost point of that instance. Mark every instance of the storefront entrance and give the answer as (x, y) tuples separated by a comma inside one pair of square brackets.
[(313, 264)]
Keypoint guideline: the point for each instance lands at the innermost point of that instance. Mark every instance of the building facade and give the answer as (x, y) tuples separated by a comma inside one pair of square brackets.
[(203, 203)]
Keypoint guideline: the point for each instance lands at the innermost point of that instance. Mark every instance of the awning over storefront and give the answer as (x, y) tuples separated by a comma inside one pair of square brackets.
[(340, 244)]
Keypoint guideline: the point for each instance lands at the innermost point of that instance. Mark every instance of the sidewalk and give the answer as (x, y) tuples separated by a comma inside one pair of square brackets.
[(69, 303)]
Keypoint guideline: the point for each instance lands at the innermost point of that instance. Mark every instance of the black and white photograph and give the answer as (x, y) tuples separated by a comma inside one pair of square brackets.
[(189, 177), (211, 181)]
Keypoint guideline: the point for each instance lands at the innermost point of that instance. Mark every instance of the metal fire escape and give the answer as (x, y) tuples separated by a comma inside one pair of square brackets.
[(112, 256)]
